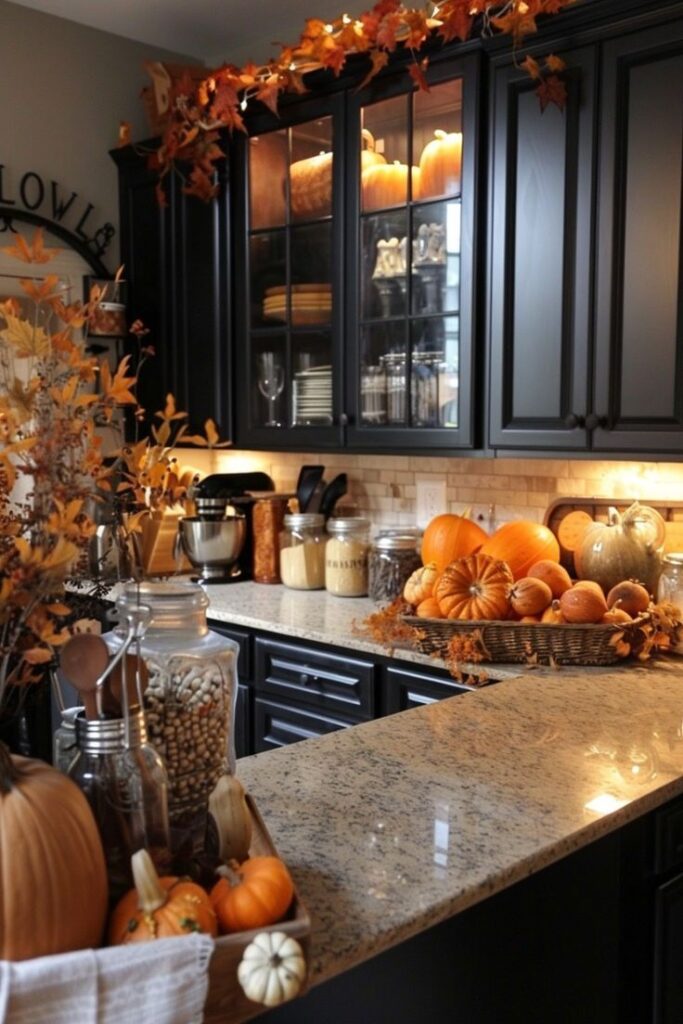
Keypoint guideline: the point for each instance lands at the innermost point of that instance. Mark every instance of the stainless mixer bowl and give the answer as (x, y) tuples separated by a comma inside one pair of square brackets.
[(213, 546)]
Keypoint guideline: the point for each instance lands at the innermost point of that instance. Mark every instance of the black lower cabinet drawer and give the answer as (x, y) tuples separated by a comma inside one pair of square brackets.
[(668, 986), (278, 725), (319, 679), (404, 688)]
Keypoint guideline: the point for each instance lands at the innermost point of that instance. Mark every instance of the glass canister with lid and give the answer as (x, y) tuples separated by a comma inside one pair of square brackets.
[(392, 559), (670, 587), (302, 551), (346, 556), (189, 699)]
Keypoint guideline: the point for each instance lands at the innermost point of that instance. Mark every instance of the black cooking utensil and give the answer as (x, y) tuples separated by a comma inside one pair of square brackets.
[(309, 478), (335, 490)]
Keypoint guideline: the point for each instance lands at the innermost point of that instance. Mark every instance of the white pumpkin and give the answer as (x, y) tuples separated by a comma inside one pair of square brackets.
[(272, 969)]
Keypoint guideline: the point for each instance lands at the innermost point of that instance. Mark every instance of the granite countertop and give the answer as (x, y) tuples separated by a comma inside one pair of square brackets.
[(397, 824)]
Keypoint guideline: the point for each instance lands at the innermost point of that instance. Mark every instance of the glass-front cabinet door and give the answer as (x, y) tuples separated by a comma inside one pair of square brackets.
[(411, 254), (289, 278)]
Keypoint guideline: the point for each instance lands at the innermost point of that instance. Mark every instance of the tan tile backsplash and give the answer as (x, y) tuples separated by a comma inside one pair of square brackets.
[(496, 490)]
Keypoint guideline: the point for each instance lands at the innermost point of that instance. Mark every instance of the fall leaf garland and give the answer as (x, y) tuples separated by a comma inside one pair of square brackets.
[(197, 112)]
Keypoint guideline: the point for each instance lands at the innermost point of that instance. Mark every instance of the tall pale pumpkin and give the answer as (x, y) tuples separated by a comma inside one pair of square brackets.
[(440, 165), (522, 544), (53, 880), (448, 537)]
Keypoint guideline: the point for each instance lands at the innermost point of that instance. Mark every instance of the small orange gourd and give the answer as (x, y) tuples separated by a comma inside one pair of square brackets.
[(583, 605), (448, 537), (475, 587), (253, 894), (552, 573), (429, 609), (616, 615), (630, 596), (159, 908), (529, 596), (553, 614), (420, 584)]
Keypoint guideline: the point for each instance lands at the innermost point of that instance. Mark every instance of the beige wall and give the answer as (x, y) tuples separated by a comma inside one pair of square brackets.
[(63, 90)]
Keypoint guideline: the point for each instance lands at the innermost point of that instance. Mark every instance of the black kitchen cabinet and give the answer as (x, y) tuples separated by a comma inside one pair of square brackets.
[(411, 687), (638, 387), (540, 259), (586, 271), (177, 265)]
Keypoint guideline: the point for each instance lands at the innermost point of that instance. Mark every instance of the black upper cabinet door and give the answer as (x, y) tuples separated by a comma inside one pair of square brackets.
[(540, 260), (289, 229), (176, 264), (411, 259), (639, 323)]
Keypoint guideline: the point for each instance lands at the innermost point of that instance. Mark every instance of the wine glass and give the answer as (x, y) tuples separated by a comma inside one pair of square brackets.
[(271, 382)]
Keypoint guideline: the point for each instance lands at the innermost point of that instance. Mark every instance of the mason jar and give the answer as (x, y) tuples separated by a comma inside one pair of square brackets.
[(670, 587), (392, 559), (346, 556), (302, 551), (125, 783), (189, 699)]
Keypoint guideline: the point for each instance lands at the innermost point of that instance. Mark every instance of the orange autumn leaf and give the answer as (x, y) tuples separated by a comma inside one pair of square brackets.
[(378, 60), (40, 290), (33, 253), (37, 655), (519, 21), (117, 388), (555, 63), (417, 73), (456, 20), (552, 90), (532, 67)]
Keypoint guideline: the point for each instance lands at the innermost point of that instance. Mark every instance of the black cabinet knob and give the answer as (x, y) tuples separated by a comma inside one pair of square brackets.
[(593, 421), (344, 419), (572, 421)]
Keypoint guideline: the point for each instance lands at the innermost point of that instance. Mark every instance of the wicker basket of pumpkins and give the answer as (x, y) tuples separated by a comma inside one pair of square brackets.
[(509, 593)]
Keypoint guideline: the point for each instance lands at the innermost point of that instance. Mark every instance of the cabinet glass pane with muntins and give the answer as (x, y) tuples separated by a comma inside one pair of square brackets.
[(290, 182), (410, 232)]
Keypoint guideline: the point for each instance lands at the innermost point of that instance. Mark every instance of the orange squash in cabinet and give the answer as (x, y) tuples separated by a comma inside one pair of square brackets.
[(310, 183), (385, 185), (441, 165), (369, 156)]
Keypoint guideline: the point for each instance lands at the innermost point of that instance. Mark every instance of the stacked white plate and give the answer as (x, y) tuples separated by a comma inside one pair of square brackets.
[(312, 396)]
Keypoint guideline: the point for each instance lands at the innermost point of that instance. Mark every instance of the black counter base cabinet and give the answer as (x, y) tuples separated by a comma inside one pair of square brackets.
[(572, 944), (292, 690)]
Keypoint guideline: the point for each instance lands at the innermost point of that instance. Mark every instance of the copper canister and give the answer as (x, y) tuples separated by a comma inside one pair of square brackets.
[(267, 519)]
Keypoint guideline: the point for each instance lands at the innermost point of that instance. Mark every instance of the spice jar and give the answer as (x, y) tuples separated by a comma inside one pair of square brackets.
[(393, 558), (267, 517), (125, 783), (189, 700), (670, 587), (302, 551), (346, 556)]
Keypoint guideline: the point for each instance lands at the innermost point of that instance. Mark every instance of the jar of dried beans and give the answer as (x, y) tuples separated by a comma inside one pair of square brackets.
[(392, 559), (189, 699)]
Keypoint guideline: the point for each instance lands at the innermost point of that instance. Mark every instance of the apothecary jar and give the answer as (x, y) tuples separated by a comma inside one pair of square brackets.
[(189, 698)]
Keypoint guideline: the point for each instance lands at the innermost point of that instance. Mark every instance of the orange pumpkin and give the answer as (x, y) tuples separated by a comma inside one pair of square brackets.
[(589, 585), (253, 894), (53, 893), (475, 587), (616, 615), (522, 544), (420, 584), (429, 609), (582, 605), (529, 596), (448, 537), (386, 185), (553, 614), (630, 596), (310, 184), (552, 573), (369, 156), (440, 165), (159, 908)]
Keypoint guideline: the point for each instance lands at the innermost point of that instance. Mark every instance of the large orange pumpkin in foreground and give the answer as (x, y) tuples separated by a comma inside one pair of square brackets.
[(449, 537), (53, 879), (521, 544), (475, 587)]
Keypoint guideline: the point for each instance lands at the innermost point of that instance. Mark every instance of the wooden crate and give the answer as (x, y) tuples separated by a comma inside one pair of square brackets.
[(226, 1002)]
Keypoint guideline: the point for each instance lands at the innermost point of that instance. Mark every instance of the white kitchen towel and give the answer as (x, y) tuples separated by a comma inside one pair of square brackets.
[(163, 982)]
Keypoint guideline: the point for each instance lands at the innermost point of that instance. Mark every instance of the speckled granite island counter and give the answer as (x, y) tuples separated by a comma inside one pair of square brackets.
[(396, 825)]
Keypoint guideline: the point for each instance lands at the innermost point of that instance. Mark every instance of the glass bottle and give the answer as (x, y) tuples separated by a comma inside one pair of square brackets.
[(302, 551), (126, 785), (670, 587), (346, 556), (267, 517), (64, 748), (392, 559), (189, 700)]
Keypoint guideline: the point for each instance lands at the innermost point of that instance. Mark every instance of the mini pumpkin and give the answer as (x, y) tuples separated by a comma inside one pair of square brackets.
[(630, 596), (429, 609), (582, 605), (420, 584), (475, 587), (553, 614), (253, 894), (272, 968), (53, 878), (159, 908), (552, 573), (616, 615)]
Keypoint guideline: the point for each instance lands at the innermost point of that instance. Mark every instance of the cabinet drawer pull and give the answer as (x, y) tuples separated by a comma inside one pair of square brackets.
[(593, 421), (572, 421)]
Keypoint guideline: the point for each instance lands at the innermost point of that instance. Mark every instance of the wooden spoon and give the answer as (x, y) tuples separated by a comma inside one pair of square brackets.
[(83, 660)]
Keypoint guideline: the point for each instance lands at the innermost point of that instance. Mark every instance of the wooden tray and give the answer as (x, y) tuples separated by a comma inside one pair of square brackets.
[(226, 1002)]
